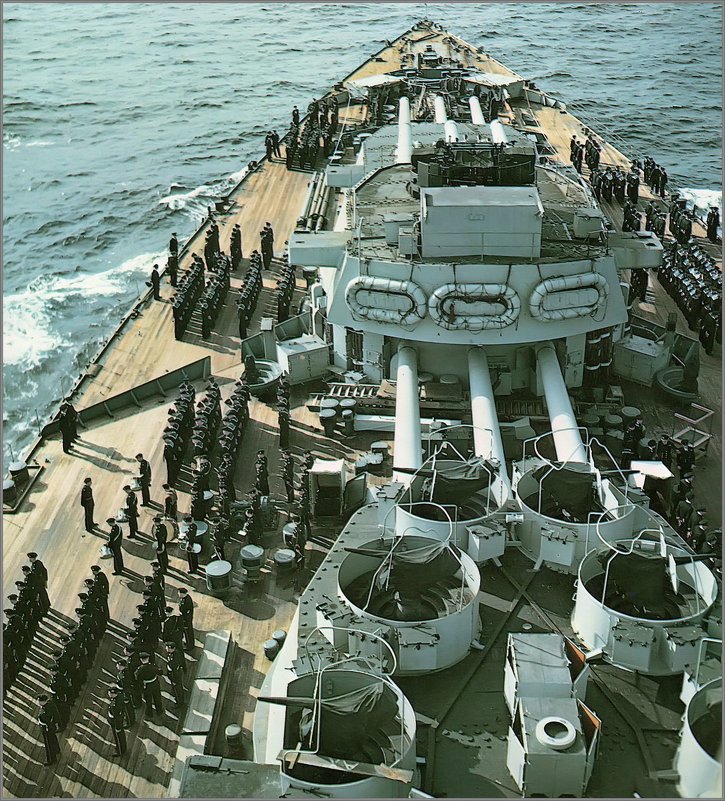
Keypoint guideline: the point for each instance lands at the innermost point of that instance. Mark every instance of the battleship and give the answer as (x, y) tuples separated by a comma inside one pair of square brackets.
[(479, 361)]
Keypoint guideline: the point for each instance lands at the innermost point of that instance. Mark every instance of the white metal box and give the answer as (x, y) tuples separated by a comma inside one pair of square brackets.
[(543, 666), (486, 542), (481, 221), (407, 245), (683, 644), (552, 745), (303, 358), (638, 359), (587, 221), (632, 645)]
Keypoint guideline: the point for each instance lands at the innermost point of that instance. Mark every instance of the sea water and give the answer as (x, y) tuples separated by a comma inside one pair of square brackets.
[(123, 122)]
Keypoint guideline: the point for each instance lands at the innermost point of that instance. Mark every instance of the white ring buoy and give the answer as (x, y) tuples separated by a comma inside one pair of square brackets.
[(555, 732), (474, 307), (569, 296), (386, 300)]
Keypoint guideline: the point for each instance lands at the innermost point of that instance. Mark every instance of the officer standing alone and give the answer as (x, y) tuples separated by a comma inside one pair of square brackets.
[(88, 504), (144, 479), (114, 543)]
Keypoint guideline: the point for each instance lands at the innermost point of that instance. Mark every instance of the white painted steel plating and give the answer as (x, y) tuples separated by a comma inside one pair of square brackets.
[(477, 117), (567, 439), (405, 137), (407, 443), (700, 775), (486, 431), (439, 106)]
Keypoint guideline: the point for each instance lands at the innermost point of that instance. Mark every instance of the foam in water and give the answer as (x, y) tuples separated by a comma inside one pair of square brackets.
[(28, 330), (702, 199), (195, 202), (27, 337), (180, 201), (10, 141)]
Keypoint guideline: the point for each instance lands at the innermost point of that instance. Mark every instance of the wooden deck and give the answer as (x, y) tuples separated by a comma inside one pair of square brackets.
[(271, 193), (50, 522)]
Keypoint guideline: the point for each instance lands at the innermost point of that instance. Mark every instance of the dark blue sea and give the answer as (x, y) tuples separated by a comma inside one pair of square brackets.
[(122, 122)]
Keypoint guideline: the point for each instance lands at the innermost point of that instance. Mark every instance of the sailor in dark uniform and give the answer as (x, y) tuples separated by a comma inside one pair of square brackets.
[(131, 510), (173, 245), (67, 427), (115, 539), (49, 729), (172, 268), (186, 610), (144, 479), (661, 181), (171, 502), (155, 282), (159, 532), (40, 575), (299, 550), (295, 116), (284, 427), (288, 475), (175, 665), (60, 708), (191, 557), (713, 222), (116, 718), (88, 504), (148, 675), (262, 478), (242, 316), (649, 214), (304, 510)]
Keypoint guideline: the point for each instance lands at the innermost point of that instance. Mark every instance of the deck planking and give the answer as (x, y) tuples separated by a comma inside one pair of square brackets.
[(271, 193), (50, 522)]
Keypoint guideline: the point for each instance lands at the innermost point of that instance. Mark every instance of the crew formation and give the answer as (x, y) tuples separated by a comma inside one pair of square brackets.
[(692, 278), (284, 291), (29, 605), (249, 293), (154, 647), (188, 292), (688, 274), (73, 660), (304, 143), (215, 292)]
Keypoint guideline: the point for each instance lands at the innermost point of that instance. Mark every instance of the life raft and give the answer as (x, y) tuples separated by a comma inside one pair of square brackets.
[(386, 300), (474, 307), (569, 296)]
